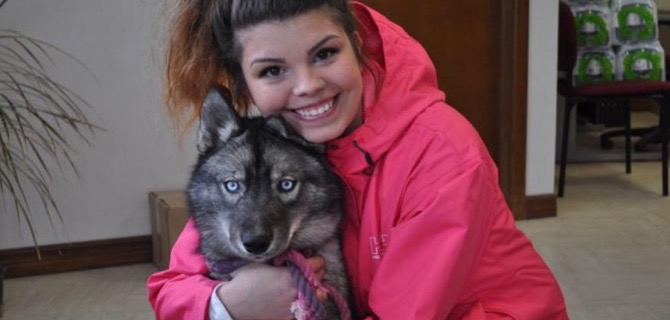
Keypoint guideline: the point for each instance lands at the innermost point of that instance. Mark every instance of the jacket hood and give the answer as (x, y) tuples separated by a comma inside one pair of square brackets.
[(400, 82)]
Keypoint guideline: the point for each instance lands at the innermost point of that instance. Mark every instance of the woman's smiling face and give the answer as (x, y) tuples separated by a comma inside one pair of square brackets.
[(305, 69)]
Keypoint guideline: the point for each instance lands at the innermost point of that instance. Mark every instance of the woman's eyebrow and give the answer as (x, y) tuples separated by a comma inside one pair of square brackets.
[(320, 43), (311, 51), (266, 60)]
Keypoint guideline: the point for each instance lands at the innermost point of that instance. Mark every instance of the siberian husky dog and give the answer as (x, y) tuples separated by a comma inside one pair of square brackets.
[(258, 190)]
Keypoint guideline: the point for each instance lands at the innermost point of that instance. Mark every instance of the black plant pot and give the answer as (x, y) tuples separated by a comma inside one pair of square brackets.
[(2, 288)]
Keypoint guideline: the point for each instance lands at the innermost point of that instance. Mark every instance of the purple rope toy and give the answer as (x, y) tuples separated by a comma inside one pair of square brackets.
[(308, 306)]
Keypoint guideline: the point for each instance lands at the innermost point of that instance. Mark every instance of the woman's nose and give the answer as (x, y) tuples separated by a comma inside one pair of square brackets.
[(308, 82)]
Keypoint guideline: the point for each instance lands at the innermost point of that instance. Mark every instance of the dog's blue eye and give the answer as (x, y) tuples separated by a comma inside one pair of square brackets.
[(231, 186), (286, 185)]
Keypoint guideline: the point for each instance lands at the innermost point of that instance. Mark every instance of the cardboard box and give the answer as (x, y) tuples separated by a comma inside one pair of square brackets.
[(169, 213)]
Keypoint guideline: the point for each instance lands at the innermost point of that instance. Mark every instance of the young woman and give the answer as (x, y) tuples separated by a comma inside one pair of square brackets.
[(427, 233)]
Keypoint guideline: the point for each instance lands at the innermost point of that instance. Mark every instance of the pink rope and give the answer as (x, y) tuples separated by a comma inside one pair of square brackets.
[(308, 307)]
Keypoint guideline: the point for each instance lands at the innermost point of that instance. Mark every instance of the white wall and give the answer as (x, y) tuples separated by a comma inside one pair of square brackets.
[(663, 5), (138, 153), (542, 60)]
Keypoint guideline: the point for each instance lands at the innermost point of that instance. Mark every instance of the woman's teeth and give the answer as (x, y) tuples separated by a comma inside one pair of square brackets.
[(315, 112)]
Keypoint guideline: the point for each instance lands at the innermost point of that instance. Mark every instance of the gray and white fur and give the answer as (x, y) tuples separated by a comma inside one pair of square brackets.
[(259, 189)]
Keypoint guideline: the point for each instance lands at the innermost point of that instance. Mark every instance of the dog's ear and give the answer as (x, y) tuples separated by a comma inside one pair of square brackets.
[(279, 125), (218, 119)]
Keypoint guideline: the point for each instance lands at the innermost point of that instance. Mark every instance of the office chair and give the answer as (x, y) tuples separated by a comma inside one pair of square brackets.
[(648, 135), (606, 93)]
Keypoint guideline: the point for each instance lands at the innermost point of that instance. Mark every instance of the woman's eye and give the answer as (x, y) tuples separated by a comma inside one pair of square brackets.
[(270, 72), (286, 185), (325, 54), (231, 186)]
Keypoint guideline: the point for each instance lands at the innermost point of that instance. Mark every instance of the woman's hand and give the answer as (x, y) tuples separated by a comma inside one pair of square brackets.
[(318, 266), (260, 291)]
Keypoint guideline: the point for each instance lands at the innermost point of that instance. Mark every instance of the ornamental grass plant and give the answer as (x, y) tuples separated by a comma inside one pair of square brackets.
[(39, 118)]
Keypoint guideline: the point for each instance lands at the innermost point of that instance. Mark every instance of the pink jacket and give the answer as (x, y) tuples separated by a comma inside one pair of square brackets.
[(428, 234)]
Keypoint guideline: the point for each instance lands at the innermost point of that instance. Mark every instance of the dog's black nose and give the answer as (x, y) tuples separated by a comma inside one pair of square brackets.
[(256, 243)]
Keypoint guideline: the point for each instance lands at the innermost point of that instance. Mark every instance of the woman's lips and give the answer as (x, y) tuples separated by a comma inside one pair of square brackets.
[(316, 111)]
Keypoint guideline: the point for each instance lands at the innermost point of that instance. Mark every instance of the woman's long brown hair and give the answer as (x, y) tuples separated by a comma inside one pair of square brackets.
[(192, 64)]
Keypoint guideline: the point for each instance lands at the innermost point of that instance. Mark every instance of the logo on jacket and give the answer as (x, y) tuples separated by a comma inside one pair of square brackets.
[(378, 246)]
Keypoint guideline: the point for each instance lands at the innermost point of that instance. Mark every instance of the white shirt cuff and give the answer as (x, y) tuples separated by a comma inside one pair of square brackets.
[(217, 311)]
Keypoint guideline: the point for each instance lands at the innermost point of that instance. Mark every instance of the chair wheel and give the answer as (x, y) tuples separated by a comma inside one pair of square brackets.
[(606, 143)]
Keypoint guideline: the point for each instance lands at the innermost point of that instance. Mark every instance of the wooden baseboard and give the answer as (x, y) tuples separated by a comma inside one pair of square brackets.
[(541, 206), (116, 252), (76, 256)]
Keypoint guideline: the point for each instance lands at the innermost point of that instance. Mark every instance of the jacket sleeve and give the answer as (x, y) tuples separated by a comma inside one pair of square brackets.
[(183, 290), (436, 241)]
